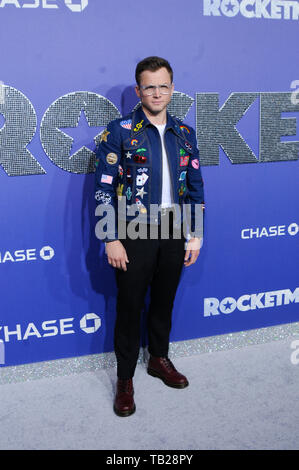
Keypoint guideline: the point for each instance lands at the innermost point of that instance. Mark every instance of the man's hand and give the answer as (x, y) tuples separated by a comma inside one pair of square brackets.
[(192, 251), (117, 255)]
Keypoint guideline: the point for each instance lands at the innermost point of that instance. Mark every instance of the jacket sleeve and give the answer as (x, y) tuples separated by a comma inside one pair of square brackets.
[(106, 180), (195, 194)]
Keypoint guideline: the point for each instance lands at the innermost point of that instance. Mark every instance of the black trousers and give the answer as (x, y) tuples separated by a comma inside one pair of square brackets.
[(156, 263)]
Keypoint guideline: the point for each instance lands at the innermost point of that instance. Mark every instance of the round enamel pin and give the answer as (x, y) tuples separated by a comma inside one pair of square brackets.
[(111, 158)]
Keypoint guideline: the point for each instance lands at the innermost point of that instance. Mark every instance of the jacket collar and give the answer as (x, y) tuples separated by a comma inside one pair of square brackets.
[(140, 122)]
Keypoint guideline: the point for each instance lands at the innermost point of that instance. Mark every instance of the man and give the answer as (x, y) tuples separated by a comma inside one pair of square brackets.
[(148, 159)]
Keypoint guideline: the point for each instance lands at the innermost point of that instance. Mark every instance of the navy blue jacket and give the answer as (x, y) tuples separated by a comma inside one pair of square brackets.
[(129, 166)]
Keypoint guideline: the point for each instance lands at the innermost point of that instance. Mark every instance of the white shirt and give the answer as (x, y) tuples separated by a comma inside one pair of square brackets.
[(166, 198)]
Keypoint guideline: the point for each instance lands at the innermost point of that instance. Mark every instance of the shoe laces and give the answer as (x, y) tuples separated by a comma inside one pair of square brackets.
[(167, 362), (125, 386)]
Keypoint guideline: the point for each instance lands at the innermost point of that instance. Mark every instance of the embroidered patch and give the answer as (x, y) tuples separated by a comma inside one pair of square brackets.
[(129, 193), (120, 170), (182, 176), (107, 179), (104, 135), (188, 146), (182, 189), (134, 142), (126, 124), (182, 152), (138, 126), (139, 158), (140, 150), (111, 158), (195, 163), (105, 198), (141, 192), (184, 128), (184, 160), (129, 176), (128, 155), (140, 206), (141, 179), (119, 190), (141, 170)]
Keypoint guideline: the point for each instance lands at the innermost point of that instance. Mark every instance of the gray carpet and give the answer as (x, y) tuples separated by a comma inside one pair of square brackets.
[(237, 399)]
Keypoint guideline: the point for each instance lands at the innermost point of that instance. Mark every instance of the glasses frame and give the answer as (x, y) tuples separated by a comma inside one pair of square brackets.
[(153, 89)]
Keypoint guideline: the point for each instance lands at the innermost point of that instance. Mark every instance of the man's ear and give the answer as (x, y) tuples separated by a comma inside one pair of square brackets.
[(137, 91)]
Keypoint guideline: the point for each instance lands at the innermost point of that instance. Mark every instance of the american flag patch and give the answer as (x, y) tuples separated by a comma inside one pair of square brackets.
[(126, 124), (106, 179)]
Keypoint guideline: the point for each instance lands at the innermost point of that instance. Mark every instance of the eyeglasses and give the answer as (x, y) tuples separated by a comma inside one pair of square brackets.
[(150, 90)]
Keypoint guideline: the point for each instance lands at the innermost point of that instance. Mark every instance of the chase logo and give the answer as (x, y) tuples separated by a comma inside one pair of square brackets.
[(273, 231), (77, 6), (46, 253), (31, 254), (269, 9), (90, 323)]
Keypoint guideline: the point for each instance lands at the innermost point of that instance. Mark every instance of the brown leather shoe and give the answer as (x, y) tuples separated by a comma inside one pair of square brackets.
[(124, 402), (163, 368)]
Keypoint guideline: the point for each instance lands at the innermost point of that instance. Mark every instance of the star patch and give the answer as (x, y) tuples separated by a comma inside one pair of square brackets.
[(141, 192), (104, 135)]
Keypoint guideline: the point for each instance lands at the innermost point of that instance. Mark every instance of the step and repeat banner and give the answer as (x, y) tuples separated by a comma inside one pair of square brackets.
[(67, 69)]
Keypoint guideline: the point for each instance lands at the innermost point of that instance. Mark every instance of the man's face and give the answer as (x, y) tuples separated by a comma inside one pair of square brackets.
[(157, 102)]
